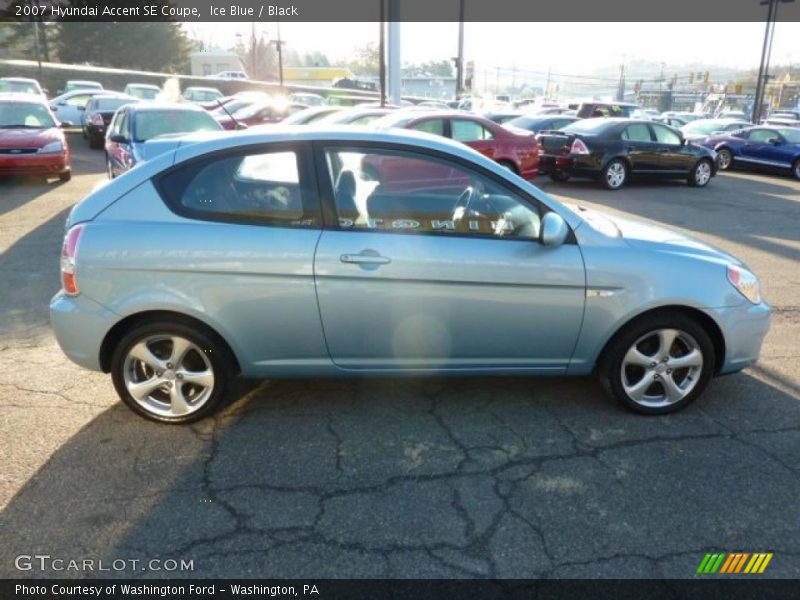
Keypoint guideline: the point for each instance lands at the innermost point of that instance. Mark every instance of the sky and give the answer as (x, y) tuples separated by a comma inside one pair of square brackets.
[(566, 47)]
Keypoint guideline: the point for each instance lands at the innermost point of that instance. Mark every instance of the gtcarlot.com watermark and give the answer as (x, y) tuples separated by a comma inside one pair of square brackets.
[(46, 562)]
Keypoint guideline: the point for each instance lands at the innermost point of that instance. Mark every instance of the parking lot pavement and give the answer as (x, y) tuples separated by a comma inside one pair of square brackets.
[(406, 478)]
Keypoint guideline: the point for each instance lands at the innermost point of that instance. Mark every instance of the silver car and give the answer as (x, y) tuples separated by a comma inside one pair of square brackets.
[(306, 252)]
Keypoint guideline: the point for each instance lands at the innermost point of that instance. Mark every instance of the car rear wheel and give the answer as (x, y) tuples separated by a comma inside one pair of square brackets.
[(170, 372), (700, 175), (614, 175), (724, 159), (796, 169), (658, 364), (65, 177)]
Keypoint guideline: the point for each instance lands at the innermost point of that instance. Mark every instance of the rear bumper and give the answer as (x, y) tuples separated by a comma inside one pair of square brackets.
[(744, 328), (34, 164), (582, 165), (80, 325), (96, 131)]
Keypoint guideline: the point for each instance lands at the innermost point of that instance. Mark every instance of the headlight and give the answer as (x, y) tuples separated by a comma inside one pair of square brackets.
[(52, 147), (744, 281)]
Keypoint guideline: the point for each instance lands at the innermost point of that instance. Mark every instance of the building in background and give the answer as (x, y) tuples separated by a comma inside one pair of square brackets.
[(206, 63), (316, 76)]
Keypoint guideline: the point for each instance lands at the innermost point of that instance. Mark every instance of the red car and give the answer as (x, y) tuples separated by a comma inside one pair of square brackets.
[(517, 150), (31, 141)]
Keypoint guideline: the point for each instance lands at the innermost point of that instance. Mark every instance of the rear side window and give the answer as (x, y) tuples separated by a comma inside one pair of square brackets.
[(469, 131), (434, 126), (638, 132), (259, 188), (666, 136)]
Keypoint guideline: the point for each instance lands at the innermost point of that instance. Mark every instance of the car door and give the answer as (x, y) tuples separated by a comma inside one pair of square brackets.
[(70, 110), (673, 159), (766, 147), (473, 134), (639, 146), (440, 278)]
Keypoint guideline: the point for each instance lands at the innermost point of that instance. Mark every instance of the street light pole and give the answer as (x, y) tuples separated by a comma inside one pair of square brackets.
[(279, 47), (460, 57), (766, 53)]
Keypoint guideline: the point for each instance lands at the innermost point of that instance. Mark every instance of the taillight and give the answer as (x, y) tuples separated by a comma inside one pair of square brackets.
[(578, 147), (69, 254), (97, 119)]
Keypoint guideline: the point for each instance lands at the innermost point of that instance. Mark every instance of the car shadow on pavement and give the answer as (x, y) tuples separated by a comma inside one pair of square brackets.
[(752, 224), (29, 282), (437, 478)]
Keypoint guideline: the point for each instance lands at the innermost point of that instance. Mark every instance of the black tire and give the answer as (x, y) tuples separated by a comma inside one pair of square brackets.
[(639, 332), (701, 173), (724, 159), (796, 169), (65, 177), (507, 164), (559, 176), (215, 357), (95, 143), (620, 168)]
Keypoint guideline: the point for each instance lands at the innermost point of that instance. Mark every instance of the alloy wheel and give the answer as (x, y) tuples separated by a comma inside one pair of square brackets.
[(661, 368), (725, 159), (615, 175), (702, 173), (168, 376)]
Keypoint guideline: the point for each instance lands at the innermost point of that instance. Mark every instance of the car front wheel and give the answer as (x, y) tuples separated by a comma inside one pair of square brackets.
[(658, 364), (614, 175), (170, 372), (700, 175)]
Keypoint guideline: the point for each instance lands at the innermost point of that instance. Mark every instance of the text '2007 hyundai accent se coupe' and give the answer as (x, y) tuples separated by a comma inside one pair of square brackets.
[(334, 252)]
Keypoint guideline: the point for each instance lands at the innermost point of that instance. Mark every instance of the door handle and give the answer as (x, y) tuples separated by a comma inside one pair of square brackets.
[(365, 259)]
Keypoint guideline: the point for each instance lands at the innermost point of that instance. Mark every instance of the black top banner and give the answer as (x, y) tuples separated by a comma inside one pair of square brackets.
[(397, 10)]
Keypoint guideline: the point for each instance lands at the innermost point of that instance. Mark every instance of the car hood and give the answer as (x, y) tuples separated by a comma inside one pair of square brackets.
[(29, 138), (654, 238)]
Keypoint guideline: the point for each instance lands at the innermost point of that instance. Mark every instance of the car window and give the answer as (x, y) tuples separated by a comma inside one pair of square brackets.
[(666, 136), (153, 123), (124, 125), (463, 130), (637, 132), (262, 187), (434, 126), (77, 100), (404, 192), (25, 115), (762, 135)]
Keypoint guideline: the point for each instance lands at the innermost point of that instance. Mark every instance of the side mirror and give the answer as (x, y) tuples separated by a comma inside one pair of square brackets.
[(554, 230), (118, 139), (775, 141), (66, 124), (683, 141), (53, 107), (81, 108)]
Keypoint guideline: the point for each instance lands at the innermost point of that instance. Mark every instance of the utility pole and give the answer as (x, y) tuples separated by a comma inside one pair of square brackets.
[(766, 53), (460, 57), (382, 53), (547, 85), (253, 61), (394, 63), (621, 88), (279, 47)]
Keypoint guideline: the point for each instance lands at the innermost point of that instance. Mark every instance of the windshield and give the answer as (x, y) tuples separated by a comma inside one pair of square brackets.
[(203, 95), (528, 122), (25, 115), (143, 93), (19, 87), (82, 85), (791, 134), (153, 123)]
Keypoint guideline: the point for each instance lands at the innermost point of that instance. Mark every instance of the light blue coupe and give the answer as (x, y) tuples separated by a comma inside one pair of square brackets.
[(313, 252)]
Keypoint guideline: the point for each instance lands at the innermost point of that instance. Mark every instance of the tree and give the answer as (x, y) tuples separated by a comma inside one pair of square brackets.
[(367, 61), (147, 46), (265, 67)]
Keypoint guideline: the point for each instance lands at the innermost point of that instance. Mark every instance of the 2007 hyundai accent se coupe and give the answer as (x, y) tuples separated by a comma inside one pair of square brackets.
[(336, 252)]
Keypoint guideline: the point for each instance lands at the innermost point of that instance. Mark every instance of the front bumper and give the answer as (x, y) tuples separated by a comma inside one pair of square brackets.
[(53, 164), (744, 328), (80, 325)]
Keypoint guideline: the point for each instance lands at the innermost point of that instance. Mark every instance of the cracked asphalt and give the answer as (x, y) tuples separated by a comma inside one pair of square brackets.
[(437, 478)]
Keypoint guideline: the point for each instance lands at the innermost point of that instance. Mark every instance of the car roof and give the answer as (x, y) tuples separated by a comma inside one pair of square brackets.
[(203, 88), (160, 106), (19, 79), (150, 86)]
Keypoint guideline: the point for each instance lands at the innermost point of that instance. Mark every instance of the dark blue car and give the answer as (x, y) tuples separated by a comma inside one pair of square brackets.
[(537, 123), (758, 147)]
